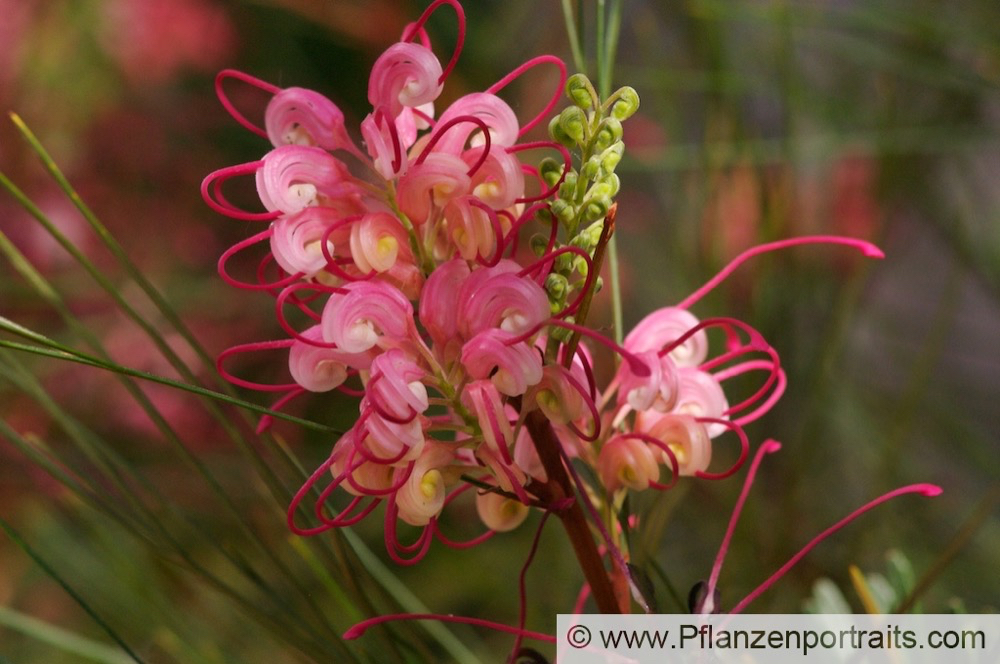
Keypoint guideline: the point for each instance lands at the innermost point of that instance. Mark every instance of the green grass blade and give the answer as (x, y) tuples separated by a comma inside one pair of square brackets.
[(61, 639), (24, 546)]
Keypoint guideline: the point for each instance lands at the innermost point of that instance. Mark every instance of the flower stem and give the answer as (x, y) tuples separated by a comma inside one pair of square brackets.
[(607, 233), (573, 518)]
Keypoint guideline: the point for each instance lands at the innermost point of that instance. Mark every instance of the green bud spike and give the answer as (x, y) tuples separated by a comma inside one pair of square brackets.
[(561, 333), (626, 105), (593, 232)]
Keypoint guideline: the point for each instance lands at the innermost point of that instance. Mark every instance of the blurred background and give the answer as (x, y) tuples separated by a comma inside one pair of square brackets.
[(759, 120)]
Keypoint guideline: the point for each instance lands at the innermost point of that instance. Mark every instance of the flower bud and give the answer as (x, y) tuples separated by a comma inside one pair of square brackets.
[(592, 169), (563, 211), (557, 286), (539, 244), (558, 134), (627, 462), (627, 103), (609, 132), (573, 122), (613, 182), (550, 170), (567, 190), (580, 91), (611, 157), (596, 208), (499, 512)]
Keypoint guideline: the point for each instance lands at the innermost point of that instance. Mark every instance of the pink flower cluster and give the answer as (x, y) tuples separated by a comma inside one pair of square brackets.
[(404, 259)]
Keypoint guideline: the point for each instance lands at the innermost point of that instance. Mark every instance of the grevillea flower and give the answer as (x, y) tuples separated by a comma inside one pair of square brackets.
[(491, 389)]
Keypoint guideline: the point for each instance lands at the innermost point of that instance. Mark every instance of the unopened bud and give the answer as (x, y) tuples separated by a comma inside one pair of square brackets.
[(539, 244), (550, 170), (558, 135), (573, 123), (609, 132), (580, 91), (626, 104), (564, 212), (567, 190), (596, 208), (592, 168), (557, 286), (611, 157)]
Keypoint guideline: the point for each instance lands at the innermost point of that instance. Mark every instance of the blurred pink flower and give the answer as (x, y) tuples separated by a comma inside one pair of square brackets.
[(152, 39)]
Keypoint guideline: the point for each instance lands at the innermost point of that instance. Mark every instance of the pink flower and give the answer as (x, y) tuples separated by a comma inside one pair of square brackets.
[(296, 116), (366, 314), (406, 74), (511, 367)]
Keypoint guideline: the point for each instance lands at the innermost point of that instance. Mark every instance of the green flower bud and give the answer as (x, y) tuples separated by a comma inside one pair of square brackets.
[(611, 157), (550, 170), (593, 233), (573, 122), (581, 266), (598, 285), (609, 132), (592, 169), (567, 190), (626, 104), (557, 286), (580, 91), (596, 208), (602, 189), (558, 135), (561, 333), (538, 243), (614, 183), (564, 212)]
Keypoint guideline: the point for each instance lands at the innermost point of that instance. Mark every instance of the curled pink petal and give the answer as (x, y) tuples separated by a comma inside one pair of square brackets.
[(422, 496), (406, 74), (492, 111), (377, 241), (297, 240), (438, 310), (366, 314), (430, 185), (297, 116), (499, 180), (686, 437), (320, 369), (664, 326), (512, 368), (627, 461), (293, 177), (500, 297), (700, 395)]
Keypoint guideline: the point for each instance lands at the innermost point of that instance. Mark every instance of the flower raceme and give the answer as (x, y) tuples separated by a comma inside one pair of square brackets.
[(405, 258)]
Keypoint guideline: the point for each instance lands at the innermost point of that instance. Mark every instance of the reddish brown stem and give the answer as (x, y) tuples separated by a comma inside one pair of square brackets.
[(572, 517)]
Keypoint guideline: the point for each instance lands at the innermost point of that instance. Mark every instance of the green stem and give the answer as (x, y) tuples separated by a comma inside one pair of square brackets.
[(574, 36)]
